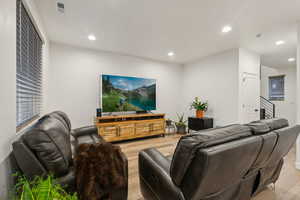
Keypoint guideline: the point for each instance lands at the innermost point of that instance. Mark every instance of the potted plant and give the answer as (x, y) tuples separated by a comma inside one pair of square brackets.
[(199, 106), (169, 122), (181, 124)]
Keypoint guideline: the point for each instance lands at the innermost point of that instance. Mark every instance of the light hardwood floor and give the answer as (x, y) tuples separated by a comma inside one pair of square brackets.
[(287, 187)]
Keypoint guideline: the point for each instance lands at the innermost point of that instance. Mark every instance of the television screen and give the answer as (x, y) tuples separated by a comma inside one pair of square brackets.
[(122, 93)]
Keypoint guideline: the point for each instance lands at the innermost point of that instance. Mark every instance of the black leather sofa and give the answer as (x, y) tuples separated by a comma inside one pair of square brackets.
[(46, 147), (235, 162)]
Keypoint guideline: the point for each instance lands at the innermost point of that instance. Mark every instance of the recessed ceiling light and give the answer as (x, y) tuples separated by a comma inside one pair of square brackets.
[(292, 59), (226, 29), (92, 37), (171, 54), (280, 42)]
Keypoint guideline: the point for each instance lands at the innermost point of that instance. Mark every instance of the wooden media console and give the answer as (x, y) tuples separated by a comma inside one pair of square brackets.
[(125, 127)]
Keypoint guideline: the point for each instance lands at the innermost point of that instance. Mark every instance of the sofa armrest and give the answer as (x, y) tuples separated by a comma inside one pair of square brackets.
[(27, 161), (86, 130), (155, 180), (87, 134)]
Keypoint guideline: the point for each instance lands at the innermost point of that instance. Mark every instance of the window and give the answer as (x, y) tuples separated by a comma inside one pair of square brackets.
[(29, 68), (276, 88)]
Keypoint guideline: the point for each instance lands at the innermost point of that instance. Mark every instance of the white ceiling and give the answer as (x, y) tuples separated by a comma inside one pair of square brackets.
[(192, 29)]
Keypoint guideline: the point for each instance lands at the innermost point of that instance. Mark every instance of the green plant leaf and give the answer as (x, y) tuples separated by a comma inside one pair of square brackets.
[(27, 192), (44, 189), (181, 121)]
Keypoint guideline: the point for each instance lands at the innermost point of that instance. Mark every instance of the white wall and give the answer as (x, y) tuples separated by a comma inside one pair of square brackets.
[(218, 79), (286, 108), (7, 75), (214, 79), (74, 80)]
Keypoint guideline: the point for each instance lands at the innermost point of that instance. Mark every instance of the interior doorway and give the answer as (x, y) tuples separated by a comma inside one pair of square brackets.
[(250, 93)]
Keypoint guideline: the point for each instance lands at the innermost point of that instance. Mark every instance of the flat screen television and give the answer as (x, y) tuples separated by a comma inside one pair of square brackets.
[(123, 93)]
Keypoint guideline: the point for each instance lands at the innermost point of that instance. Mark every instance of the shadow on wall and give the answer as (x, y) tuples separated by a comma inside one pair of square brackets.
[(7, 168)]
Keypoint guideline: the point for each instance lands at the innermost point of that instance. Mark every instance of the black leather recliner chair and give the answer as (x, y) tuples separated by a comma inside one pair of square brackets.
[(46, 147), (230, 163)]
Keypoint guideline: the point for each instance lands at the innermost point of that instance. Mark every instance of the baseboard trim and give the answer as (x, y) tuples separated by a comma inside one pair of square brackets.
[(297, 164)]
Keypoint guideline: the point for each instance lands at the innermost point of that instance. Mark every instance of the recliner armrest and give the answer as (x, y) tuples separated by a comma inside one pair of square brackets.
[(27, 161), (87, 130), (155, 180), (87, 134)]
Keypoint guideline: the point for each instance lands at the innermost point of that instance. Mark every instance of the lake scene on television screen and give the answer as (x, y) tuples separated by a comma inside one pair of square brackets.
[(122, 93)]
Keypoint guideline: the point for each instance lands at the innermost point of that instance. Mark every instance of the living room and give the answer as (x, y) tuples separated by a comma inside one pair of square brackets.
[(231, 55)]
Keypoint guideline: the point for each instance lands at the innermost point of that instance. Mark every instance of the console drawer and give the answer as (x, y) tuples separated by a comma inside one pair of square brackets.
[(126, 130), (158, 126), (109, 131), (142, 129)]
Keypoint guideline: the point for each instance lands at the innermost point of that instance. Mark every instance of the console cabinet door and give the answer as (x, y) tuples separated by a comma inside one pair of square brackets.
[(158, 127), (142, 128), (126, 130), (109, 132)]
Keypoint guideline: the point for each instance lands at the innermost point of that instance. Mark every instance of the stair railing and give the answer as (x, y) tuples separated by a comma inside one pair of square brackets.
[(267, 108)]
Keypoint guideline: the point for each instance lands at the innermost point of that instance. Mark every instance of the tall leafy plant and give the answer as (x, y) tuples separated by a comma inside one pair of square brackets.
[(41, 189), (181, 121)]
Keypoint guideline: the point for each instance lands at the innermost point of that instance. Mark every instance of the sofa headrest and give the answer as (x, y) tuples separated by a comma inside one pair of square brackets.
[(49, 140), (276, 123), (63, 117), (267, 125), (188, 146), (259, 128), (217, 136)]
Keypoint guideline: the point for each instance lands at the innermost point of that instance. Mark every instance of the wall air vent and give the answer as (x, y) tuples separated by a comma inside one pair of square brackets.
[(60, 7)]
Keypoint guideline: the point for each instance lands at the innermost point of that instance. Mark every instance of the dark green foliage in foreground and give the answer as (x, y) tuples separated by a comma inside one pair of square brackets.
[(41, 189)]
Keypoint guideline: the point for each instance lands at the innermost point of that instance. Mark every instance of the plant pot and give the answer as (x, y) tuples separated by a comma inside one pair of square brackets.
[(199, 113), (169, 123), (181, 129)]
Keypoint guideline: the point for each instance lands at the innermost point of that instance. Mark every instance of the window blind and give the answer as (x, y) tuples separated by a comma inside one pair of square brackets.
[(29, 68)]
